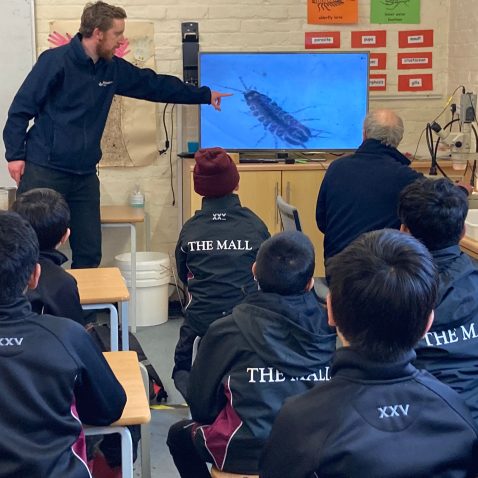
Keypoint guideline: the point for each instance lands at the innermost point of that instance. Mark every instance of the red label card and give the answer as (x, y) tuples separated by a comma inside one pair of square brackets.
[(369, 39), (378, 61), (415, 39), (411, 61), (377, 82), (318, 40), (420, 82)]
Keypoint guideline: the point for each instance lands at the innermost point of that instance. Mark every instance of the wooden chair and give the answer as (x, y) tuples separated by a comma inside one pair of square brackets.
[(215, 473)]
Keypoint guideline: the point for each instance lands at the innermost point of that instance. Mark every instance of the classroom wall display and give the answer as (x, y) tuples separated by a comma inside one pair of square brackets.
[(378, 61), (415, 82), (329, 12), (130, 134), (320, 40), (369, 39), (415, 39), (377, 82), (395, 11), (414, 61)]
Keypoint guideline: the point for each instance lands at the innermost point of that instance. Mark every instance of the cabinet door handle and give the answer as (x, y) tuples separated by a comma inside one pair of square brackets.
[(276, 193), (287, 192)]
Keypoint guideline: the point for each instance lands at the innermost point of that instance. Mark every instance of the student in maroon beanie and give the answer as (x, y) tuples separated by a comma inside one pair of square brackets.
[(214, 253)]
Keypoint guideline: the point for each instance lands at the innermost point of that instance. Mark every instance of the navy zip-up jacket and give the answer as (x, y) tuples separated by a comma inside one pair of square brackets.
[(270, 348), (449, 350), (69, 97), (360, 192), (375, 420)]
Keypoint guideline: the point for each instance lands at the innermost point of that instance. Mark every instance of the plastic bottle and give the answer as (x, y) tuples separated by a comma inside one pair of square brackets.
[(136, 198)]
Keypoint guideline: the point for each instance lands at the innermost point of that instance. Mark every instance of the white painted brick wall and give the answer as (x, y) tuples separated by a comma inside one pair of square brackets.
[(261, 25)]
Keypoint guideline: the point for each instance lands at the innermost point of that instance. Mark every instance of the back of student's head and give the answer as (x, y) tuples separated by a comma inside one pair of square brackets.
[(215, 173), (47, 212), (434, 211), (383, 288), (18, 255), (285, 263)]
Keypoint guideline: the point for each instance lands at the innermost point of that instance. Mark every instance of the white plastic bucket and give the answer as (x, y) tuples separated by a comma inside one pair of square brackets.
[(152, 290)]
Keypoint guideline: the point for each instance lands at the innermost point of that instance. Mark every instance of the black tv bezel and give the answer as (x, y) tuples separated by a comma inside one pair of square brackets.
[(284, 150)]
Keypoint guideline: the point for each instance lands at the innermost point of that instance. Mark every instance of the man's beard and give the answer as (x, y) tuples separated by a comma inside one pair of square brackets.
[(103, 53)]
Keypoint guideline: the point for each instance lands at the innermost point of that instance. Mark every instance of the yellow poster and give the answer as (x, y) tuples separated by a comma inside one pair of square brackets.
[(332, 11)]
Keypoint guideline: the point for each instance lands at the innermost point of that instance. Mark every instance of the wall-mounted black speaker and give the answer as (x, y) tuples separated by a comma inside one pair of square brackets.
[(190, 37)]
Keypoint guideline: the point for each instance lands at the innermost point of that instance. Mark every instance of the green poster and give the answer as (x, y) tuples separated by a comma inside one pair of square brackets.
[(395, 11)]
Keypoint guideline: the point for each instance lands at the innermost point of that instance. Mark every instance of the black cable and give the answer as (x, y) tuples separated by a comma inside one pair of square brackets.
[(449, 100), (166, 144), (171, 156)]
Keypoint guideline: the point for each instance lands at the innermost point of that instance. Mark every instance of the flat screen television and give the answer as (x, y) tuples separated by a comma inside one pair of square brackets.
[(286, 101)]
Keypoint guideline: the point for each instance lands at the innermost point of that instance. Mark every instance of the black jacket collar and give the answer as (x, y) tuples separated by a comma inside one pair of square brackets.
[(223, 202), (15, 309), (375, 147)]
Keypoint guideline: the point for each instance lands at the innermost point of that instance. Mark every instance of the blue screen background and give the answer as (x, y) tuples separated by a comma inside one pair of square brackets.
[(312, 101)]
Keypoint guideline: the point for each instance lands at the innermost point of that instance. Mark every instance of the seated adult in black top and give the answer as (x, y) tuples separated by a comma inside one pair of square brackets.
[(378, 416), (359, 192), (49, 215), (434, 211)]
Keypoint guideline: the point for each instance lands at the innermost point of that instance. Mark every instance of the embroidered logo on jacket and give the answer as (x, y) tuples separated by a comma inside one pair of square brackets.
[(105, 83), (10, 341), (226, 245), (390, 411), (219, 216)]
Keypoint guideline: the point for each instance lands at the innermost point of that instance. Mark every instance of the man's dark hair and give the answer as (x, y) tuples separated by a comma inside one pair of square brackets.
[(434, 211), (18, 255), (47, 212), (99, 15), (383, 287), (285, 263)]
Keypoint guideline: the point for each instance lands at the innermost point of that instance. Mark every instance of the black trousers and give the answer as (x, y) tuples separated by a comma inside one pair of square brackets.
[(82, 194), (186, 457)]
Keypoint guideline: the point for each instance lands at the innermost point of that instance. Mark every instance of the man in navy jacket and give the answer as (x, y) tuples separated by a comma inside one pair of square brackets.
[(434, 211), (359, 193), (378, 416), (68, 93), (52, 376)]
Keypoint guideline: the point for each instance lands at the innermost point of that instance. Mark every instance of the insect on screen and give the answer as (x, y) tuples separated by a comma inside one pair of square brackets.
[(312, 101)]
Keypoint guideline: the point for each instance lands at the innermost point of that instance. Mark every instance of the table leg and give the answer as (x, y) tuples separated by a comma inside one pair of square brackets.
[(114, 325), (124, 326), (132, 319)]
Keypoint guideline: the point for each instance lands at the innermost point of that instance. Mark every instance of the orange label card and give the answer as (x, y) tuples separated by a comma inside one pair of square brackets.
[(420, 82), (409, 61), (415, 39), (318, 40), (327, 12), (369, 39), (377, 82), (378, 61)]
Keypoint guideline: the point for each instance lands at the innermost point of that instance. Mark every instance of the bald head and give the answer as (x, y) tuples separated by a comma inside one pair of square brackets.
[(384, 126)]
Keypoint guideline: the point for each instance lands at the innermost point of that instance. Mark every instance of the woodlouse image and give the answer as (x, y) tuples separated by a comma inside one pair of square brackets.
[(282, 125), (327, 5)]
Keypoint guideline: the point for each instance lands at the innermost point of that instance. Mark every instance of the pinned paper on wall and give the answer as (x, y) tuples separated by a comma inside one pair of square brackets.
[(327, 12), (418, 82), (319, 40), (377, 82), (369, 39), (409, 61), (378, 61), (395, 11), (415, 39)]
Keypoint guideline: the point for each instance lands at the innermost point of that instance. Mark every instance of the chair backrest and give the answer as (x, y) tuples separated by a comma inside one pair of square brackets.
[(289, 215), (215, 473)]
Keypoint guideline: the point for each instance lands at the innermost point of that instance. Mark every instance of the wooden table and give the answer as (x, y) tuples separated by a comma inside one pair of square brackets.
[(469, 246), (127, 216), (136, 412), (101, 288)]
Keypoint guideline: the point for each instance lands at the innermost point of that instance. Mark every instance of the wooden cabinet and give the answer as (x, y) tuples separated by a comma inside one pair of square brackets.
[(258, 188)]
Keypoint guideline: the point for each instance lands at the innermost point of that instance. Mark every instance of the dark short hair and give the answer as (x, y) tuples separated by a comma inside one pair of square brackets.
[(383, 287), (285, 263), (47, 212), (18, 255), (99, 15), (434, 211)]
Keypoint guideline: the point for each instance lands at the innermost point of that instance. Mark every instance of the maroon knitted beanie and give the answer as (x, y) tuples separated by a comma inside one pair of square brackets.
[(215, 173)]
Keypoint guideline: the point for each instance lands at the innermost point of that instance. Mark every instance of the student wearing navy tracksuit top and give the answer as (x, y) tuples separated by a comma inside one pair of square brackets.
[(378, 416), (53, 378), (434, 211), (68, 93)]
